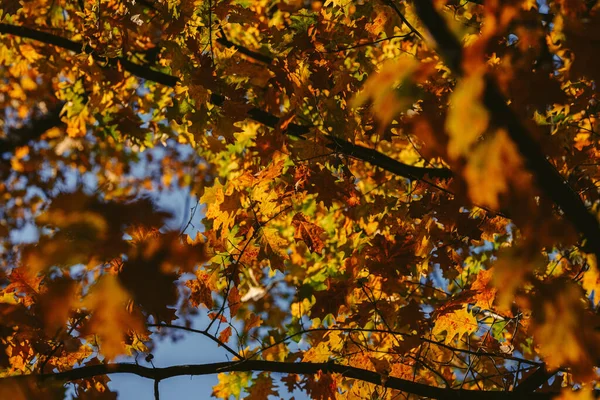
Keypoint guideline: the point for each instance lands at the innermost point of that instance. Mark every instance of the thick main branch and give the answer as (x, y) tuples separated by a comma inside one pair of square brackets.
[(302, 368), (547, 177)]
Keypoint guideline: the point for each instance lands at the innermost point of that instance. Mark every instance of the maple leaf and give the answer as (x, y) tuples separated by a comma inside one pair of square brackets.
[(252, 322), (323, 386), (466, 105), (560, 330), (485, 293), (497, 158), (147, 277), (202, 288), (56, 303), (330, 300), (225, 335), (11, 7), (222, 208), (274, 247), (110, 320), (231, 384), (27, 389), (380, 89), (243, 119), (262, 387), (331, 342), (235, 301), (308, 232), (458, 322)]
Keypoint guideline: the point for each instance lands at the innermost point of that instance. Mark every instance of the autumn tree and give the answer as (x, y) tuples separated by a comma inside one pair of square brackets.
[(399, 199)]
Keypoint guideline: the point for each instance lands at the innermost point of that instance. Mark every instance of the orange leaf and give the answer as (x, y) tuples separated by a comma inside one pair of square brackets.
[(235, 301), (110, 319), (225, 335), (459, 322), (308, 232), (467, 118)]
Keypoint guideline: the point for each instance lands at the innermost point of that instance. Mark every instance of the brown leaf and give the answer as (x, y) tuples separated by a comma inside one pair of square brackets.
[(309, 233), (235, 301), (56, 303), (225, 335), (262, 388)]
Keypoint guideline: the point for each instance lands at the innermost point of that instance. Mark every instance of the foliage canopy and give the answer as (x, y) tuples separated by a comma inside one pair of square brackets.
[(398, 198)]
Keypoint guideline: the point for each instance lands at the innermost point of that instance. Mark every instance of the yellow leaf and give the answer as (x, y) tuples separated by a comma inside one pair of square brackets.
[(380, 88), (467, 118), (458, 322), (77, 124), (499, 158), (21, 152), (509, 273), (591, 280), (110, 320), (221, 209), (28, 52), (485, 294), (331, 343), (231, 384), (584, 393), (563, 330)]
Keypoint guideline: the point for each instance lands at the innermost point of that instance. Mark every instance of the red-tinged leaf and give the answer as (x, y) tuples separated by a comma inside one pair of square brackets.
[(252, 322), (214, 315), (311, 234), (225, 335), (235, 301), (201, 289), (322, 386)]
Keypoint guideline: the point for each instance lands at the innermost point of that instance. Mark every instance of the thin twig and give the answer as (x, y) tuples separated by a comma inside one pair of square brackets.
[(204, 333)]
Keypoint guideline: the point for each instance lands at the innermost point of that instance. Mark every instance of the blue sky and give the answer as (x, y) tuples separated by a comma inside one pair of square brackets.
[(192, 349)]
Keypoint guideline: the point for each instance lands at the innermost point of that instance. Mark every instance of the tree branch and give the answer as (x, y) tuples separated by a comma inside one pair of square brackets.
[(59, 41), (535, 380), (548, 178), (256, 114), (403, 18), (302, 368), (33, 130), (203, 333), (243, 50), (387, 163)]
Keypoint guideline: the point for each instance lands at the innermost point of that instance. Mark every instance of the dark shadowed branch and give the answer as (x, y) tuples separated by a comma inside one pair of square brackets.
[(302, 368), (33, 130), (548, 178), (387, 163), (256, 114)]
